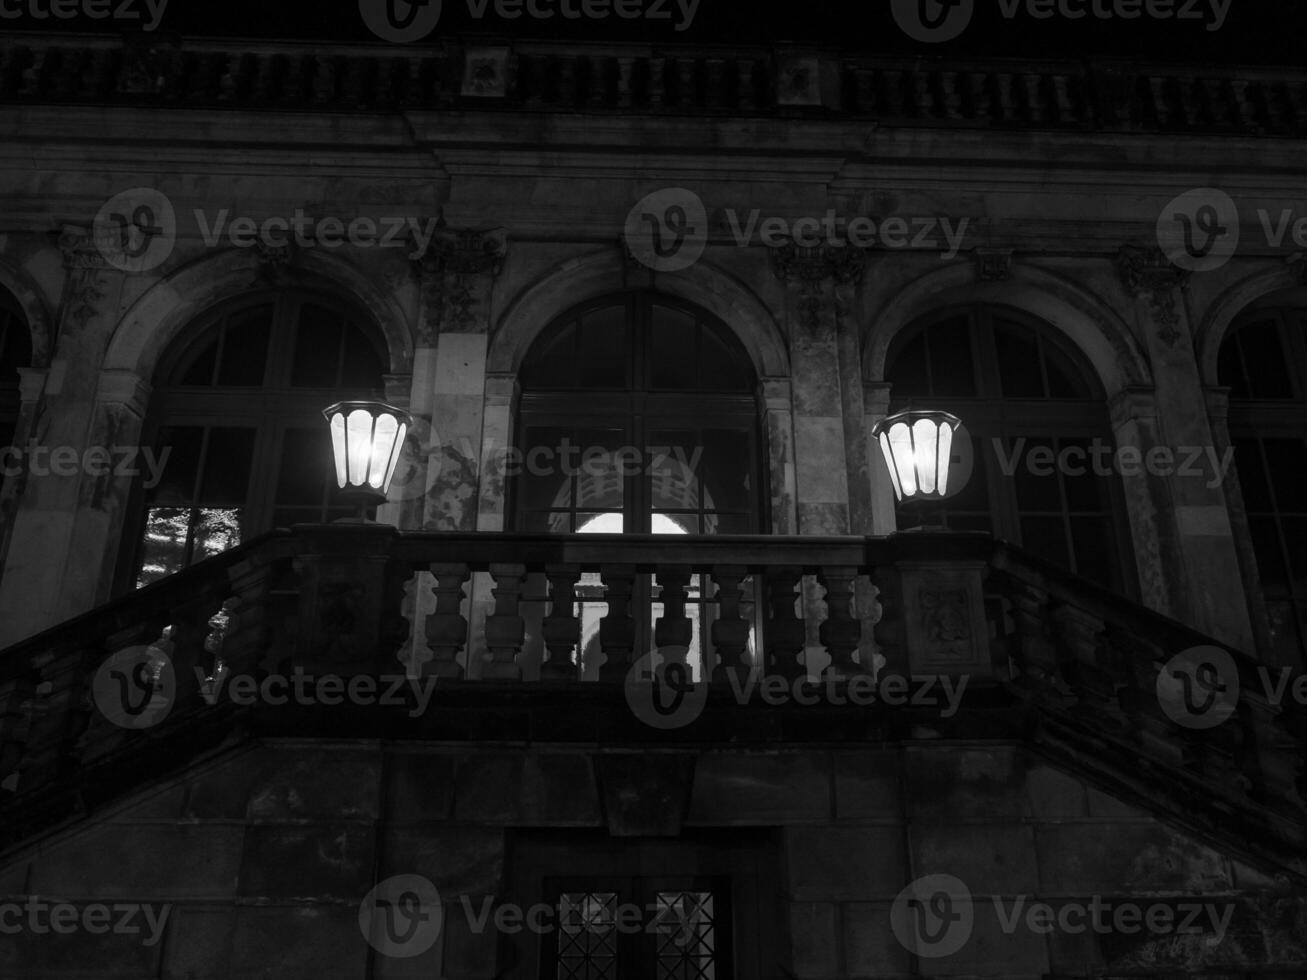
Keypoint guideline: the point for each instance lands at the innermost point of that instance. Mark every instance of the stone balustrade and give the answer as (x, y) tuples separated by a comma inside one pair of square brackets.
[(545, 76), (1049, 658)]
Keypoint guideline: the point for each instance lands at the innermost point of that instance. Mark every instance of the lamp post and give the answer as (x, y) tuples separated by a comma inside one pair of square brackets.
[(917, 446), (366, 440)]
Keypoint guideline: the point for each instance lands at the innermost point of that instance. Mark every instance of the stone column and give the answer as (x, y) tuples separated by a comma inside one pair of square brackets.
[(1206, 561), (818, 323), (450, 393), (50, 572), (834, 496)]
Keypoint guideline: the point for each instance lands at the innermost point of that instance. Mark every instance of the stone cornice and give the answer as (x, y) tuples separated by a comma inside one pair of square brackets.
[(638, 78)]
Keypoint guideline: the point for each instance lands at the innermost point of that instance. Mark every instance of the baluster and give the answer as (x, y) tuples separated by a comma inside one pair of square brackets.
[(785, 631), (1079, 637), (562, 628), (730, 633), (190, 630), (717, 96), (891, 629), (657, 82), (685, 94), (841, 632), (673, 632), (617, 628), (744, 74), (505, 629), (1033, 650), (446, 627), (17, 701), (248, 637), (625, 67)]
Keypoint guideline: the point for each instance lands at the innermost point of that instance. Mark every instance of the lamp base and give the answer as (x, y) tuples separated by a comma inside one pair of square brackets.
[(362, 499)]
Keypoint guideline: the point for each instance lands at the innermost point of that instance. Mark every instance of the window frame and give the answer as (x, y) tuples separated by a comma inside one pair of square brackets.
[(271, 408), (989, 413), (1261, 420)]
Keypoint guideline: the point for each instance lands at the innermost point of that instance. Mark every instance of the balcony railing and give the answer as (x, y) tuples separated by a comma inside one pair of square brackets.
[(1052, 660)]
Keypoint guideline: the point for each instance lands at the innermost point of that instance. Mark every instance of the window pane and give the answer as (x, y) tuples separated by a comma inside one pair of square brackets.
[(675, 470), (227, 463), (599, 480), (952, 365), (1065, 380), (176, 487), (1229, 370), (318, 338), (1252, 476), (364, 366), (1270, 558), (216, 530), (200, 369), (1088, 491), (1035, 476), (544, 485), (305, 475), (15, 345), (1045, 537), (1094, 555), (604, 351), (674, 350), (729, 470), (1266, 360), (723, 367), (245, 348), (163, 547), (1018, 361), (907, 370), (1286, 460), (552, 361)]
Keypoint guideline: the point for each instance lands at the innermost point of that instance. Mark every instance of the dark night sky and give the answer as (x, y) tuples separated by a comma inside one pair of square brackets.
[(1254, 32)]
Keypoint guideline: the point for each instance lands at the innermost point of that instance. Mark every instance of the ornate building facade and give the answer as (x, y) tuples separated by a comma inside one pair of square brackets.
[(661, 297)]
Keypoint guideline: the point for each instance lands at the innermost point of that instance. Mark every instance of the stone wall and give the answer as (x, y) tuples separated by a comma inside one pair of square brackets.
[(265, 856)]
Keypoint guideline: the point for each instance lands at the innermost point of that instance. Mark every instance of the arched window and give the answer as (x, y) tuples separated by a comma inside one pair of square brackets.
[(1040, 436), (237, 408), (638, 414), (15, 352), (1263, 362)]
